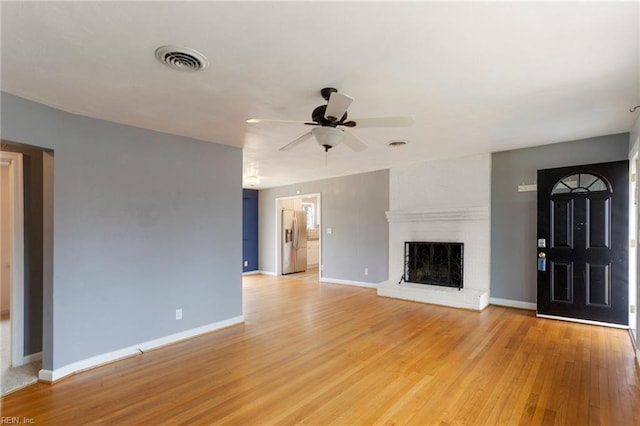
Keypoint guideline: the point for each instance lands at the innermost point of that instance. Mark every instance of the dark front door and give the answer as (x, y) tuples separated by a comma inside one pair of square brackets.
[(582, 242)]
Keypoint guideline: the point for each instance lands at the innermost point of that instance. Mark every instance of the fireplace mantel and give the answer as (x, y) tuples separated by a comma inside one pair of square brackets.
[(457, 214)]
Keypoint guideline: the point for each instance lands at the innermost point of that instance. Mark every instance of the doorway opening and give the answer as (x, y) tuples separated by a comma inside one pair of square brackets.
[(27, 237), (310, 205)]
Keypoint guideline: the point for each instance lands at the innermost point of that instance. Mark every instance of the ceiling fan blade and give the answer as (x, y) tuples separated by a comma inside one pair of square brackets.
[(353, 142), (268, 120), (337, 106), (296, 142), (380, 122)]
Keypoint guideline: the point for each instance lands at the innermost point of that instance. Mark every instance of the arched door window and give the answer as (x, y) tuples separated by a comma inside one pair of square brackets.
[(581, 183)]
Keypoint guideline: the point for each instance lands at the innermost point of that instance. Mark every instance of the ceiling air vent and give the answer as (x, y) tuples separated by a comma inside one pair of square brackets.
[(181, 58)]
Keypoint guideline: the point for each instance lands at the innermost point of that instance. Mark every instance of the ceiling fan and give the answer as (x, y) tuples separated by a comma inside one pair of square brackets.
[(329, 120)]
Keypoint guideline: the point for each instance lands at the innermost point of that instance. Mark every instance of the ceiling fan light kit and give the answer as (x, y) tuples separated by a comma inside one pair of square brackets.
[(328, 137), (327, 118)]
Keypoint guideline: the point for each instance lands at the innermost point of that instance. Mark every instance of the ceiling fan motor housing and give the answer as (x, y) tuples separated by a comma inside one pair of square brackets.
[(318, 116)]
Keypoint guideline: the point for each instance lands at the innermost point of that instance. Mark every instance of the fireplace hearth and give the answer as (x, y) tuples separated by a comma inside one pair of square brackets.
[(433, 263)]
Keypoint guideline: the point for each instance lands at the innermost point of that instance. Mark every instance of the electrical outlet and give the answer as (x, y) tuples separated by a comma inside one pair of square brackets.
[(632, 309), (329, 230), (178, 314), (246, 263), (366, 271)]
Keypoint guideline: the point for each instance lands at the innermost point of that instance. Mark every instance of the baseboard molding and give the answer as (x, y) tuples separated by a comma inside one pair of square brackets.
[(51, 376), (348, 282), (512, 303), (636, 348), (582, 321), (251, 273), (28, 359), (273, 274)]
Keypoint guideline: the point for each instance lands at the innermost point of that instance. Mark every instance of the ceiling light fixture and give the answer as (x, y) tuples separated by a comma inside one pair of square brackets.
[(181, 58), (328, 137), (396, 144), (252, 180)]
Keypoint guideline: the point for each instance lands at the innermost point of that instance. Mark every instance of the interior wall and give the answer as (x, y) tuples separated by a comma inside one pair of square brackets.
[(5, 249), (354, 208), (145, 223), (514, 214), (33, 216)]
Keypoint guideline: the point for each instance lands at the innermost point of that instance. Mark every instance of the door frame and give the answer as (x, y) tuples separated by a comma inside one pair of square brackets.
[(634, 234), (278, 228), (15, 163)]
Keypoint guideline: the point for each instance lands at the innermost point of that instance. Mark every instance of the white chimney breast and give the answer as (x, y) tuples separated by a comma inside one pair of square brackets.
[(442, 201)]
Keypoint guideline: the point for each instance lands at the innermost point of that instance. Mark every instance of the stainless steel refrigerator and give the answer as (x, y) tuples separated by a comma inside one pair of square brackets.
[(294, 241)]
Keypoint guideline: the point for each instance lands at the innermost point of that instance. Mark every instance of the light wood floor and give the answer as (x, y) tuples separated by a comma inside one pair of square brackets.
[(329, 354)]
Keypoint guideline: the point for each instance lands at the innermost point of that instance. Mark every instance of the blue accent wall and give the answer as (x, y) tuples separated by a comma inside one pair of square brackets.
[(249, 230)]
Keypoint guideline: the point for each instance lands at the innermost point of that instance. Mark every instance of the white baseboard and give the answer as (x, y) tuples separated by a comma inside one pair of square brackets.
[(95, 361), (583, 321), (512, 303), (28, 359), (251, 273), (348, 282), (636, 348), (273, 274)]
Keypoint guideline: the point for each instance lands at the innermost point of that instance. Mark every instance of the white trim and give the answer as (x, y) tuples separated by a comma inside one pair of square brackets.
[(464, 213), (348, 282), (17, 251), (583, 321), (28, 359), (251, 273), (636, 349), (271, 273), (512, 303), (95, 361), (528, 188)]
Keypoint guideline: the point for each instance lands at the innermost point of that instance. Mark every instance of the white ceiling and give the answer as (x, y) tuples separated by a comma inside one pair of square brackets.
[(477, 77)]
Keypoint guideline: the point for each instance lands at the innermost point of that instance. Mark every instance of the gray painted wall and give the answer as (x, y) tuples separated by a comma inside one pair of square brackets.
[(144, 223), (513, 213), (354, 207)]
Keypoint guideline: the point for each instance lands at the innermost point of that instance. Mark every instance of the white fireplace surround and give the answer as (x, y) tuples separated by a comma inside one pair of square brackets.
[(468, 225)]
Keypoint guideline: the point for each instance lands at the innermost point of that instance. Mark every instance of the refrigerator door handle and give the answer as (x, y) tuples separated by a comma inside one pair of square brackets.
[(295, 231)]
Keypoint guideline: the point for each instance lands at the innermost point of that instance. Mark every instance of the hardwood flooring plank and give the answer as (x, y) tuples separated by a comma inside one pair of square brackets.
[(317, 353)]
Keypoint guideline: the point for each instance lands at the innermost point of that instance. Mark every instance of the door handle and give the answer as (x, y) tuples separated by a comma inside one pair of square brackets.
[(542, 261)]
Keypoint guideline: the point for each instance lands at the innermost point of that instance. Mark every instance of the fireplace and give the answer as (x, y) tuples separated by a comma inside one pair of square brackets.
[(434, 263)]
